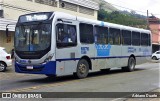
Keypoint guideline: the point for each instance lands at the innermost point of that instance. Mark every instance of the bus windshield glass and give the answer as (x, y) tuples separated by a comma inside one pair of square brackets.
[(33, 37)]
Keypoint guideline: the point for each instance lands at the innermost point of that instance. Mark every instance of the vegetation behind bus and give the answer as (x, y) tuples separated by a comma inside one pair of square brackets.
[(123, 18)]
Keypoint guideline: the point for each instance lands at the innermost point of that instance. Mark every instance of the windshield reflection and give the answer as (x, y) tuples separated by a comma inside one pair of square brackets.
[(32, 37)]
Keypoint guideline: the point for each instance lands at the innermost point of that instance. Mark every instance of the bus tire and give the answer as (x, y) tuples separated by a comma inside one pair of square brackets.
[(82, 69), (131, 65)]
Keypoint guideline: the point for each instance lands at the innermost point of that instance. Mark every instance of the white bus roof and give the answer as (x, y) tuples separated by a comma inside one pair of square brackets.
[(96, 22)]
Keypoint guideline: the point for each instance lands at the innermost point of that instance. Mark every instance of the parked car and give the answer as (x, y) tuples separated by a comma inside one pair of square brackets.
[(156, 55), (5, 59)]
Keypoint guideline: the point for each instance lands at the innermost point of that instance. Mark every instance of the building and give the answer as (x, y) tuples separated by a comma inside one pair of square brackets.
[(10, 10), (154, 25), (5, 41)]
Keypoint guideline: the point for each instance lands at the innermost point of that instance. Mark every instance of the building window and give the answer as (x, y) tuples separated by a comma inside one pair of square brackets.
[(126, 37), (114, 36), (86, 33), (135, 38), (85, 10), (68, 6), (9, 38), (101, 35), (1, 13), (47, 2)]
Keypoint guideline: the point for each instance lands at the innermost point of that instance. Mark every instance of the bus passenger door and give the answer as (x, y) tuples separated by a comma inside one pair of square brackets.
[(66, 47)]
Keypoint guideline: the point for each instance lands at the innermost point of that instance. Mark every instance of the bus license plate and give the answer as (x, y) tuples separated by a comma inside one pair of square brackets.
[(29, 67)]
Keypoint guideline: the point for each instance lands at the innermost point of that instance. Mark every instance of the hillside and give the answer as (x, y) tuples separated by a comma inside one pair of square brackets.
[(105, 5)]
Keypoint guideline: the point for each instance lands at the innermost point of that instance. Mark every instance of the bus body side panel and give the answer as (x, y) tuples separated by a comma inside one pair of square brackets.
[(101, 53), (88, 50), (114, 59), (126, 52), (137, 53), (146, 52), (66, 57), (66, 64), (107, 56)]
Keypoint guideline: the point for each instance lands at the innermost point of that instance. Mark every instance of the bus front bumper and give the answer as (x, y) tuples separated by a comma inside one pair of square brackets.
[(48, 68)]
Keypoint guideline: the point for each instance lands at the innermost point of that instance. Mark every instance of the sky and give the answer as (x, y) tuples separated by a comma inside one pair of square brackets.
[(140, 6)]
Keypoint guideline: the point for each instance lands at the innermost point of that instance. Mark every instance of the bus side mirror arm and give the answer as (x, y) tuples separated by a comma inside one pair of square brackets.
[(60, 20)]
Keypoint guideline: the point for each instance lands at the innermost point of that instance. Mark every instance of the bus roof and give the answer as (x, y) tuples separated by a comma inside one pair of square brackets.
[(97, 22), (63, 15)]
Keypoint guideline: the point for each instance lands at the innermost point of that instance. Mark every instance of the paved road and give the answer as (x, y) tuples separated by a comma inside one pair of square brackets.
[(145, 78)]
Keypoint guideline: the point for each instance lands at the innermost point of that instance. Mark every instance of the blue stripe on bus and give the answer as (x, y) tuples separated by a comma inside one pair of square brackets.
[(68, 59), (49, 68)]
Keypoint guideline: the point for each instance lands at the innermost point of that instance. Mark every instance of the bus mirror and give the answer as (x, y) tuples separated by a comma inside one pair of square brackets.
[(7, 32), (60, 20)]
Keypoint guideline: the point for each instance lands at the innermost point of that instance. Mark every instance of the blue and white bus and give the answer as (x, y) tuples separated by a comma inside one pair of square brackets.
[(59, 44)]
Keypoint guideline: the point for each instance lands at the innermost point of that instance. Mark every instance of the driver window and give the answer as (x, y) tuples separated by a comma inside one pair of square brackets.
[(66, 35)]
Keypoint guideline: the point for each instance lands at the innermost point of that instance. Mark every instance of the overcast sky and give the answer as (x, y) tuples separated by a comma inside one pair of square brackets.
[(153, 6)]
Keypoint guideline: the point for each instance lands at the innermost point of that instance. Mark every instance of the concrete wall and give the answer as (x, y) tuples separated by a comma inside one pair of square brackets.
[(3, 40), (14, 8), (155, 29)]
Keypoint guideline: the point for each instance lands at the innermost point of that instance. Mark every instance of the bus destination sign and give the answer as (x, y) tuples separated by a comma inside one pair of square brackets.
[(34, 17)]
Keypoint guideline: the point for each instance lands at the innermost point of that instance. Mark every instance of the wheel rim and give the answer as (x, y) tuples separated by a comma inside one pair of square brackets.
[(82, 68), (2, 67)]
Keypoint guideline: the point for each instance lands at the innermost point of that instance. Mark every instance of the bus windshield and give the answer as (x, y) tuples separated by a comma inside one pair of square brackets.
[(33, 37)]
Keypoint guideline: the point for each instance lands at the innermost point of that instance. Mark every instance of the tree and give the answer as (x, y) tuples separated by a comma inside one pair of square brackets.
[(123, 18)]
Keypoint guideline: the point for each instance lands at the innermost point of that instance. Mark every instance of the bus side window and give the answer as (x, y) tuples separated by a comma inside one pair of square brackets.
[(66, 35), (144, 39), (126, 37), (73, 35), (101, 35), (135, 38), (86, 33), (114, 37)]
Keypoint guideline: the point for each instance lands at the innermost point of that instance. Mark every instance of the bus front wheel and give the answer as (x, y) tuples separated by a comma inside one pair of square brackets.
[(82, 69), (131, 65)]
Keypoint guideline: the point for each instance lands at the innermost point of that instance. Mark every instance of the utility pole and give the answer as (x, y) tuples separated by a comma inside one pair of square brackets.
[(147, 20)]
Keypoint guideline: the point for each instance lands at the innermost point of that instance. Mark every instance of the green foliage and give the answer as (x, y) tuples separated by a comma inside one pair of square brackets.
[(130, 19)]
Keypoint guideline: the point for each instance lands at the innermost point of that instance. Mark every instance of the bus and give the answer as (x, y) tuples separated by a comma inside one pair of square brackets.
[(60, 44)]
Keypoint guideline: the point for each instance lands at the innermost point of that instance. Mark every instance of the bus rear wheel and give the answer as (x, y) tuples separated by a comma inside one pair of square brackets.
[(131, 65), (82, 69)]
